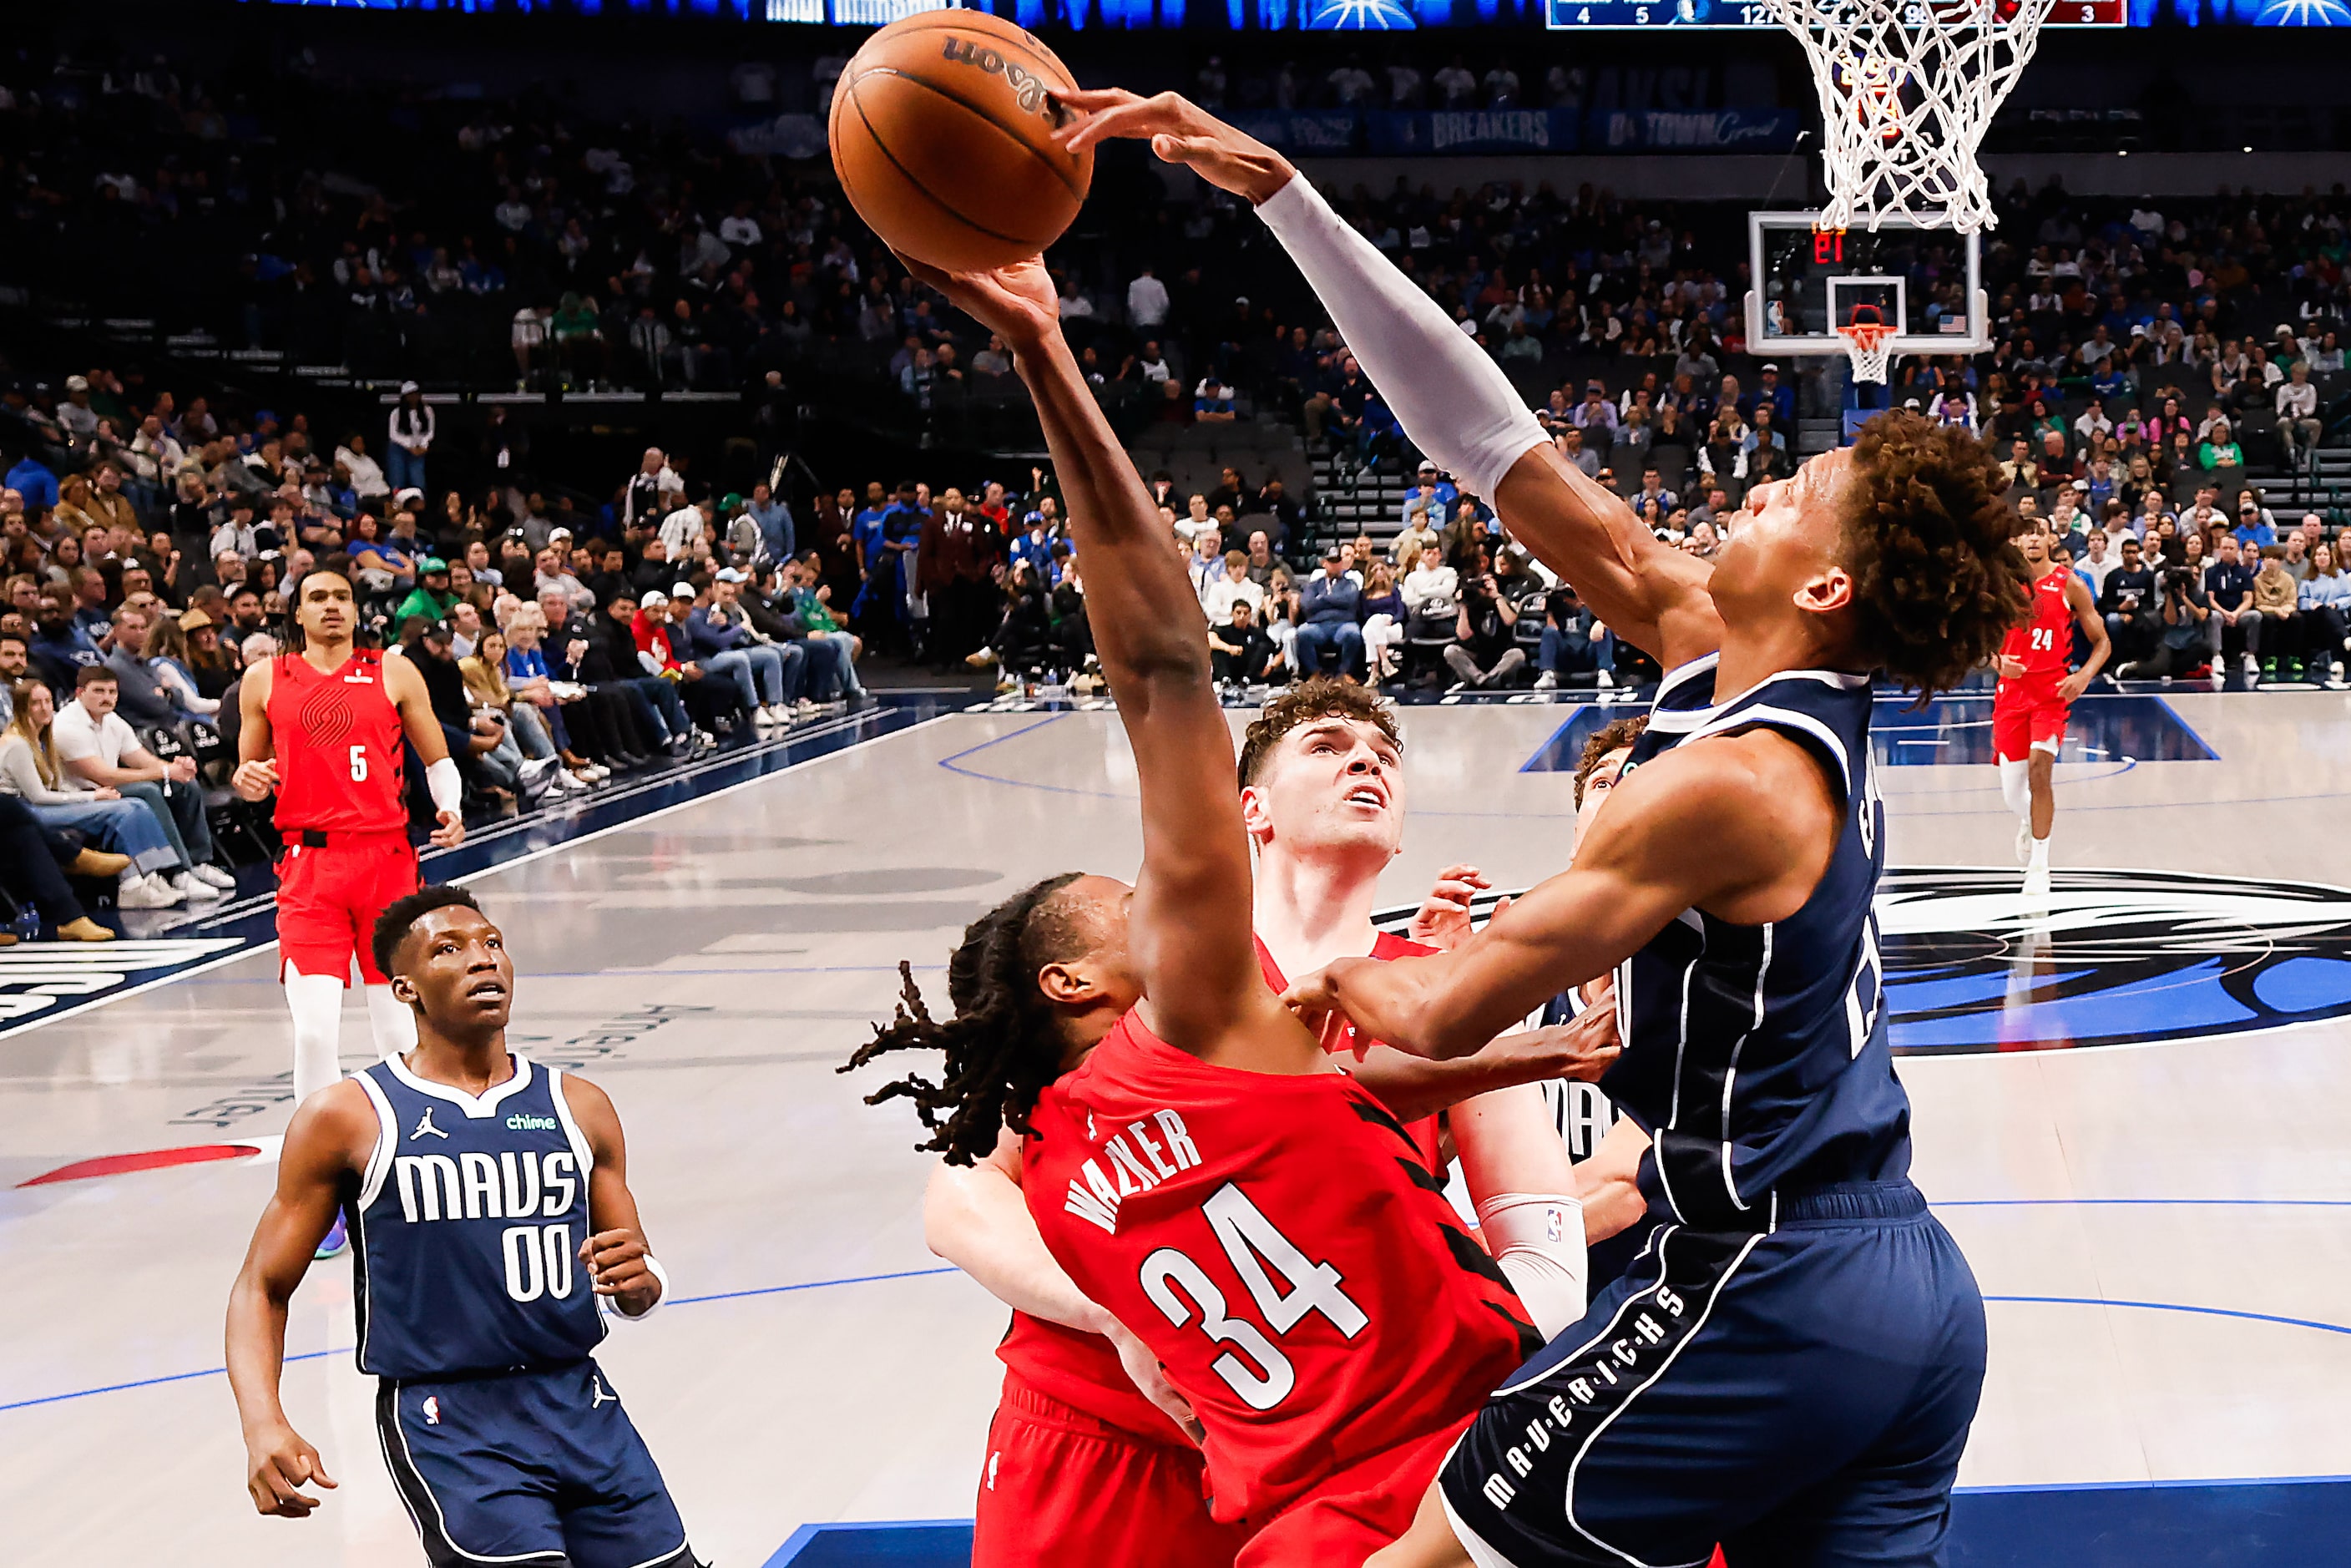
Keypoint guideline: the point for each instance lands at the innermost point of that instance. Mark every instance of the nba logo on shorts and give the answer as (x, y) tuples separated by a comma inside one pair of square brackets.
[(994, 1460), (432, 1410)]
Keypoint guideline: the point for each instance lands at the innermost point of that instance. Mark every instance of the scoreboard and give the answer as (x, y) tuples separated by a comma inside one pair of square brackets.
[(1639, 14)]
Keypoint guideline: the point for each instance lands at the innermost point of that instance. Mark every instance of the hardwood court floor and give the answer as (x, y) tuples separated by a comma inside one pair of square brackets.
[(2161, 1219)]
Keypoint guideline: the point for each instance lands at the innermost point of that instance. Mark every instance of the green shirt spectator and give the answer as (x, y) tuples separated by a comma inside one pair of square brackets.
[(432, 599)]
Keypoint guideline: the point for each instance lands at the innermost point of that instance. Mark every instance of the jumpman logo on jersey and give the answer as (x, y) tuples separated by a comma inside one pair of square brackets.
[(596, 1387), (424, 1124)]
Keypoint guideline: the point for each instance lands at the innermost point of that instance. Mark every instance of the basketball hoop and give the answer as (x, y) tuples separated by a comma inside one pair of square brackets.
[(1907, 90), (1866, 346)]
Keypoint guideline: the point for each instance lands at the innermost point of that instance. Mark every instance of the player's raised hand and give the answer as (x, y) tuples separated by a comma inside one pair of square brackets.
[(1443, 918), (1180, 132), (451, 832), (255, 780), (1583, 1048), (279, 1464), (615, 1260), (1018, 303)]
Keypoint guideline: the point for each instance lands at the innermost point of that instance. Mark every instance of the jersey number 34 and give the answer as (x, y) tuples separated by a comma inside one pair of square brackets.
[(1251, 1242)]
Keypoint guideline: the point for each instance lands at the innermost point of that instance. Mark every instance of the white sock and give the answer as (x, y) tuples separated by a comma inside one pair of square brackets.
[(2040, 854), (317, 1003), (391, 1021), (1450, 397), (2016, 785)]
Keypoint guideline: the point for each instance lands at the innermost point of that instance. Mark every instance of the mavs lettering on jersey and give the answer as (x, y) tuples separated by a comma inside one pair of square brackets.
[(1757, 1055), (467, 1226)]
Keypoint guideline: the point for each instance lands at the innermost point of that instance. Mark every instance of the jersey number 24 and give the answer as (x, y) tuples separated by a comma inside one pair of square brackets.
[(1251, 1243)]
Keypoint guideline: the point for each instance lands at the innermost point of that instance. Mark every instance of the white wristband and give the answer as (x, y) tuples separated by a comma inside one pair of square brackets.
[(442, 783), (653, 1267)]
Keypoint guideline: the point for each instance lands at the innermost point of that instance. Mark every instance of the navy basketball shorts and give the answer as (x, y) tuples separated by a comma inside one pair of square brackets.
[(1798, 1396), (528, 1468)]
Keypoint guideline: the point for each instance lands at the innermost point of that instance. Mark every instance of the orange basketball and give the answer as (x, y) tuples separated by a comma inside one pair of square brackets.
[(942, 135)]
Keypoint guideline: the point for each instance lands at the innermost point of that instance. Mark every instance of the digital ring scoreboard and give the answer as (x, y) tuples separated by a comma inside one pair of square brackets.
[(1636, 14)]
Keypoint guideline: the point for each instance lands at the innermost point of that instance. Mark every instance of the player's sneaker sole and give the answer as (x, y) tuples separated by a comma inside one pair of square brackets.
[(337, 1240)]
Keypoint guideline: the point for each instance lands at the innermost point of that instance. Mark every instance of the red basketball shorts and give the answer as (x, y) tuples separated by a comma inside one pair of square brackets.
[(1354, 1513), (2026, 714), (329, 897), (1063, 1490)]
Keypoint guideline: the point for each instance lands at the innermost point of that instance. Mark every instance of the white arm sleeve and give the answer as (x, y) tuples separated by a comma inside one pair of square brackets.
[(442, 783), (1450, 397), (1538, 1240)]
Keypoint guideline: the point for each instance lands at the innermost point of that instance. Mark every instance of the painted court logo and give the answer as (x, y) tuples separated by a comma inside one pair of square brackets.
[(2112, 958), (39, 978)]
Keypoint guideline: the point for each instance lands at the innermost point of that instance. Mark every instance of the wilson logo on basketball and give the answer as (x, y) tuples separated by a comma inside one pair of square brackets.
[(1029, 89)]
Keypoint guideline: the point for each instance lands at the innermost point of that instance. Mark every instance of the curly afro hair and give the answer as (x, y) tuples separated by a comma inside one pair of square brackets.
[(1936, 582)]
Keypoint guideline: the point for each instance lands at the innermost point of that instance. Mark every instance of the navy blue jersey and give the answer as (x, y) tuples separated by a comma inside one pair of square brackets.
[(467, 1227), (1756, 1056)]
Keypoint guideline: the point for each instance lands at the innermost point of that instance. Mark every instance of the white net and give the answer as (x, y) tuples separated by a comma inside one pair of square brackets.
[(1869, 348), (1906, 88)]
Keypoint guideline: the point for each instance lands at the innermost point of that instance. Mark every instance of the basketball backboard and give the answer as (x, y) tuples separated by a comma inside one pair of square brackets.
[(1925, 283)]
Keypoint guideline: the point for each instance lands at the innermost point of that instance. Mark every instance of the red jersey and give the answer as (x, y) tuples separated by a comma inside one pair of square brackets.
[(1386, 947), (337, 742), (1280, 1245), (2045, 642), (1080, 1369)]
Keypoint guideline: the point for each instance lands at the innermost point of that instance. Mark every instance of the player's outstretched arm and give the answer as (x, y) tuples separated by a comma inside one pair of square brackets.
[(618, 1262), (405, 686), (328, 1137), (1188, 929), (977, 1219), (1413, 1086), (1450, 397), (1742, 828)]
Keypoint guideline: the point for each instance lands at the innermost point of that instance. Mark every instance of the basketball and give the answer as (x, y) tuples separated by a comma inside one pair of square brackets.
[(942, 133)]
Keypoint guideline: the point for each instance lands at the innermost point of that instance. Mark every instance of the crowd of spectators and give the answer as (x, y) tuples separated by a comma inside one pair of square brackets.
[(561, 643), (2148, 358), (514, 240)]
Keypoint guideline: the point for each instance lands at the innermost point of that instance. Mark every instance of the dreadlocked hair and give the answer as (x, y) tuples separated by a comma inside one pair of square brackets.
[(1936, 582), (1004, 1044)]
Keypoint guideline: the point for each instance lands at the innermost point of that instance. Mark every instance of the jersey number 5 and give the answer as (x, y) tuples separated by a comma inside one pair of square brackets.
[(1251, 1242), (359, 764)]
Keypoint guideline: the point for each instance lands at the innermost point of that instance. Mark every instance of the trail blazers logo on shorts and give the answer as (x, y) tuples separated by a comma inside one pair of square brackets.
[(2111, 958)]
